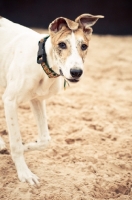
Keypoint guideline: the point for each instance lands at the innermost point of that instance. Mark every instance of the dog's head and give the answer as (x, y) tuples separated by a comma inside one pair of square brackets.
[(70, 41)]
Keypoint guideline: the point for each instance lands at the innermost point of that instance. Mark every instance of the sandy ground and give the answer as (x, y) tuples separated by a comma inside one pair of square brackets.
[(90, 155)]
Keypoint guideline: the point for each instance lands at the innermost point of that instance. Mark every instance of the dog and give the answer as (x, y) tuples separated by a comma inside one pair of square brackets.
[(60, 58)]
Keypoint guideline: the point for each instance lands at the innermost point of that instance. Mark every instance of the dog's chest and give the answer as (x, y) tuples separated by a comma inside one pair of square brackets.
[(48, 87)]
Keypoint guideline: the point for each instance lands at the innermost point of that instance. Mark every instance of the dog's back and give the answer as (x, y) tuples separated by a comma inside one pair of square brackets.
[(10, 30), (11, 42)]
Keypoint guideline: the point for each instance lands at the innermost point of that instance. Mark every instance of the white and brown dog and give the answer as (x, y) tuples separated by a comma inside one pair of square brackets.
[(24, 80)]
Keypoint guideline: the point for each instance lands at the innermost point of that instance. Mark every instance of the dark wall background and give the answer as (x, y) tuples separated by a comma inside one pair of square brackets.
[(39, 13)]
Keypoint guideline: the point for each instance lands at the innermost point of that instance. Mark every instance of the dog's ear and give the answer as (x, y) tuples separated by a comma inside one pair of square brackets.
[(60, 22), (87, 20)]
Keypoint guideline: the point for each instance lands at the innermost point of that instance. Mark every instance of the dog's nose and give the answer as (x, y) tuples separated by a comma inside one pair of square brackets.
[(76, 72)]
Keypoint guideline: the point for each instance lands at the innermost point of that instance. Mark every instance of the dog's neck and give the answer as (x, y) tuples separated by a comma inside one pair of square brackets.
[(50, 55)]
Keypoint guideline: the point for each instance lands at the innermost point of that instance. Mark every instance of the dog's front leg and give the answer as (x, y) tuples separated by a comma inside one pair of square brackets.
[(23, 171), (39, 110)]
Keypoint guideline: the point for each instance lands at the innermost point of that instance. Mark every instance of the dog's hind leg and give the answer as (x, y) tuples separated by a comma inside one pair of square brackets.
[(39, 110), (10, 104)]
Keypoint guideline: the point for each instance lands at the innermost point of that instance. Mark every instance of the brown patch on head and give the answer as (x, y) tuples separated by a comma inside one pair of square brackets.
[(62, 36), (63, 53), (81, 38), (80, 33), (1, 17), (61, 28)]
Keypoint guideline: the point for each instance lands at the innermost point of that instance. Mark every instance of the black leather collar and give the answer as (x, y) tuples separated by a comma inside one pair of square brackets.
[(42, 59)]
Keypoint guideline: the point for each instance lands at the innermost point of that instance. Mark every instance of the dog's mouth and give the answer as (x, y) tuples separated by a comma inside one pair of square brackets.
[(72, 80)]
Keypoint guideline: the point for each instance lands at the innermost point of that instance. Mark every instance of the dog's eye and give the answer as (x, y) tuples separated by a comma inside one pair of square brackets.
[(84, 47), (62, 45)]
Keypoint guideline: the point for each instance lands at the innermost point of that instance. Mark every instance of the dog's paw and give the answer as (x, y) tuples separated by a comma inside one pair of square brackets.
[(28, 176), (38, 145), (45, 140)]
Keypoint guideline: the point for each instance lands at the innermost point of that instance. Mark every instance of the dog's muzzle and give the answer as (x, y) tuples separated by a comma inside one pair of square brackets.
[(75, 74)]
